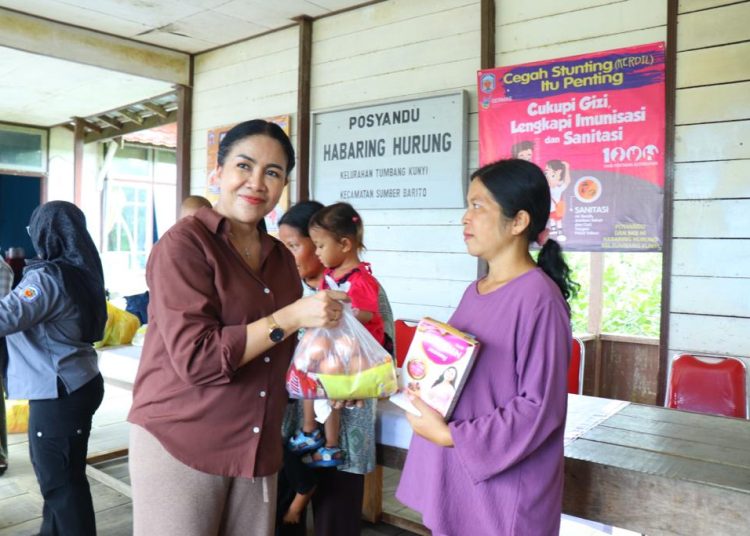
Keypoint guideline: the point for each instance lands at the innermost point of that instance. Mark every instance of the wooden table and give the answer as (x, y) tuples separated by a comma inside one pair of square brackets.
[(644, 468)]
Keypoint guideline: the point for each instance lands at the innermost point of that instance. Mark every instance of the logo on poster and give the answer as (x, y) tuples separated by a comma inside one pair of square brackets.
[(487, 83), (634, 153), (588, 189)]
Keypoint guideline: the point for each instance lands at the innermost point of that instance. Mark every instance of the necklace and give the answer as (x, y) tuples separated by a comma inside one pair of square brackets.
[(245, 250)]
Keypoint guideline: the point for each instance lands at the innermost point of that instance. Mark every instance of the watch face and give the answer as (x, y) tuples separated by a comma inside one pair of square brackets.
[(277, 335)]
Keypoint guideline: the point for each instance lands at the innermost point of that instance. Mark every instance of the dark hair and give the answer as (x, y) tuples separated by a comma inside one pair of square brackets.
[(256, 127), (299, 216), (67, 253), (342, 221), (557, 165), (524, 145), (520, 185), (441, 378)]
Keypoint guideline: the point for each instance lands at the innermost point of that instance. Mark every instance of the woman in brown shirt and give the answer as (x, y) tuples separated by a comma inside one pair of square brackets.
[(209, 396)]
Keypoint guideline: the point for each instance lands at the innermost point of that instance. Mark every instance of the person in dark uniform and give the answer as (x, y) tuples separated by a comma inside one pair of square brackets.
[(50, 321)]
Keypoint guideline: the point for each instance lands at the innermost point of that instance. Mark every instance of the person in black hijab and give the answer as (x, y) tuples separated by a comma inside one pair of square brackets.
[(66, 251), (50, 321)]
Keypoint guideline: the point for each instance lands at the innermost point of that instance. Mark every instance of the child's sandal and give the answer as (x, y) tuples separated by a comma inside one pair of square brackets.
[(302, 442), (327, 457)]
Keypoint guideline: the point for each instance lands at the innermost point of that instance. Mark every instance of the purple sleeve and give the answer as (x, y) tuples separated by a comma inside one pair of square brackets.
[(492, 443)]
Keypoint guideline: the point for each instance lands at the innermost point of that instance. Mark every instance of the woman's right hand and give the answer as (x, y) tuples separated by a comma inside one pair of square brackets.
[(321, 310)]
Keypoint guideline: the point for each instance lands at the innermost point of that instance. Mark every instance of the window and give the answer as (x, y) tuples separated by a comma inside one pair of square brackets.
[(629, 294), (632, 294), (139, 205), (128, 233), (23, 149)]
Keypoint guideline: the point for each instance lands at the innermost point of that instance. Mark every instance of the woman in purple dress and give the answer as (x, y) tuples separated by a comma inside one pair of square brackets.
[(496, 468)]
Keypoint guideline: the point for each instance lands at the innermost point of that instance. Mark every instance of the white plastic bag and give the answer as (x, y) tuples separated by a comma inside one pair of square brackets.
[(341, 363)]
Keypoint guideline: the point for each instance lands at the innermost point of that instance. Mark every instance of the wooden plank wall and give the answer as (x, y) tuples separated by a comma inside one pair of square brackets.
[(254, 78), (629, 370), (398, 49), (548, 29), (395, 50), (401, 48), (541, 30), (710, 309)]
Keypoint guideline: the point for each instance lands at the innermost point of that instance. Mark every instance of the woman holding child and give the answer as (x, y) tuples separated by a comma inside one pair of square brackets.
[(328, 240), (500, 457)]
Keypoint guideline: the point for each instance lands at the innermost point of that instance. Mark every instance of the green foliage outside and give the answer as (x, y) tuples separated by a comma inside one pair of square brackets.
[(579, 305), (632, 293)]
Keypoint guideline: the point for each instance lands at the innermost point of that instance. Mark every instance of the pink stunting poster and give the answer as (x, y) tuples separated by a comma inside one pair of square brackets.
[(595, 125)]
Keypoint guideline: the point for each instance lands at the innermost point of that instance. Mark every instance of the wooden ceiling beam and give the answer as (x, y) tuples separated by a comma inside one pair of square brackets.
[(155, 108), (87, 124), (113, 123), (129, 128), (73, 43), (130, 116)]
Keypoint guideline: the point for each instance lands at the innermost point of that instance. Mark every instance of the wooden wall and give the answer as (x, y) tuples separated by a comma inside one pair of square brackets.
[(251, 79), (541, 30), (629, 368), (548, 29), (710, 309), (401, 48), (394, 50), (397, 49)]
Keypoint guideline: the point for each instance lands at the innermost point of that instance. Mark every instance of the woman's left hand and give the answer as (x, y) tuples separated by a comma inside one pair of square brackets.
[(430, 424)]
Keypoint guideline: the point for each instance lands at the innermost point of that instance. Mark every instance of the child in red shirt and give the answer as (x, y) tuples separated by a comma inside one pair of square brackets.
[(337, 233)]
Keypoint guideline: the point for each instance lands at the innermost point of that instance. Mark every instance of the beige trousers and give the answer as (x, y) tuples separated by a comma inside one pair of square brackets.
[(170, 498)]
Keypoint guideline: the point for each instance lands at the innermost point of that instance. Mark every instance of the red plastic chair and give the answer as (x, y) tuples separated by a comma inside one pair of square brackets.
[(575, 369), (714, 385), (405, 330)]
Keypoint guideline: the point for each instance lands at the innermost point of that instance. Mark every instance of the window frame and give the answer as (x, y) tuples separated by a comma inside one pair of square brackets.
[(43, 133)]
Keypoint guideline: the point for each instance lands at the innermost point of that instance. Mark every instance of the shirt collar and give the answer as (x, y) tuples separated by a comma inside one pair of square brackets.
[(210, 218), (215, 223)]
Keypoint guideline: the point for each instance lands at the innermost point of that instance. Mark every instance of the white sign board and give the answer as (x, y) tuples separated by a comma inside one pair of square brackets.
[(405, 154)]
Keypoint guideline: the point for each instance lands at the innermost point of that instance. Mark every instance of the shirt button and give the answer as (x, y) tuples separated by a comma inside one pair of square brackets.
[(267, 290), (267, 359), (79, 431), (256, 429), (39, 434), (262, 394)]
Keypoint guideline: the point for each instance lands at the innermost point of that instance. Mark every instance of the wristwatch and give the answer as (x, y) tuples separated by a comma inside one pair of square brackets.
[(275, 333)]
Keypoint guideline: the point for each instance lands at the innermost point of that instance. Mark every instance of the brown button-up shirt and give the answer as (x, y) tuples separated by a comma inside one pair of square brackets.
[(190, 393)]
